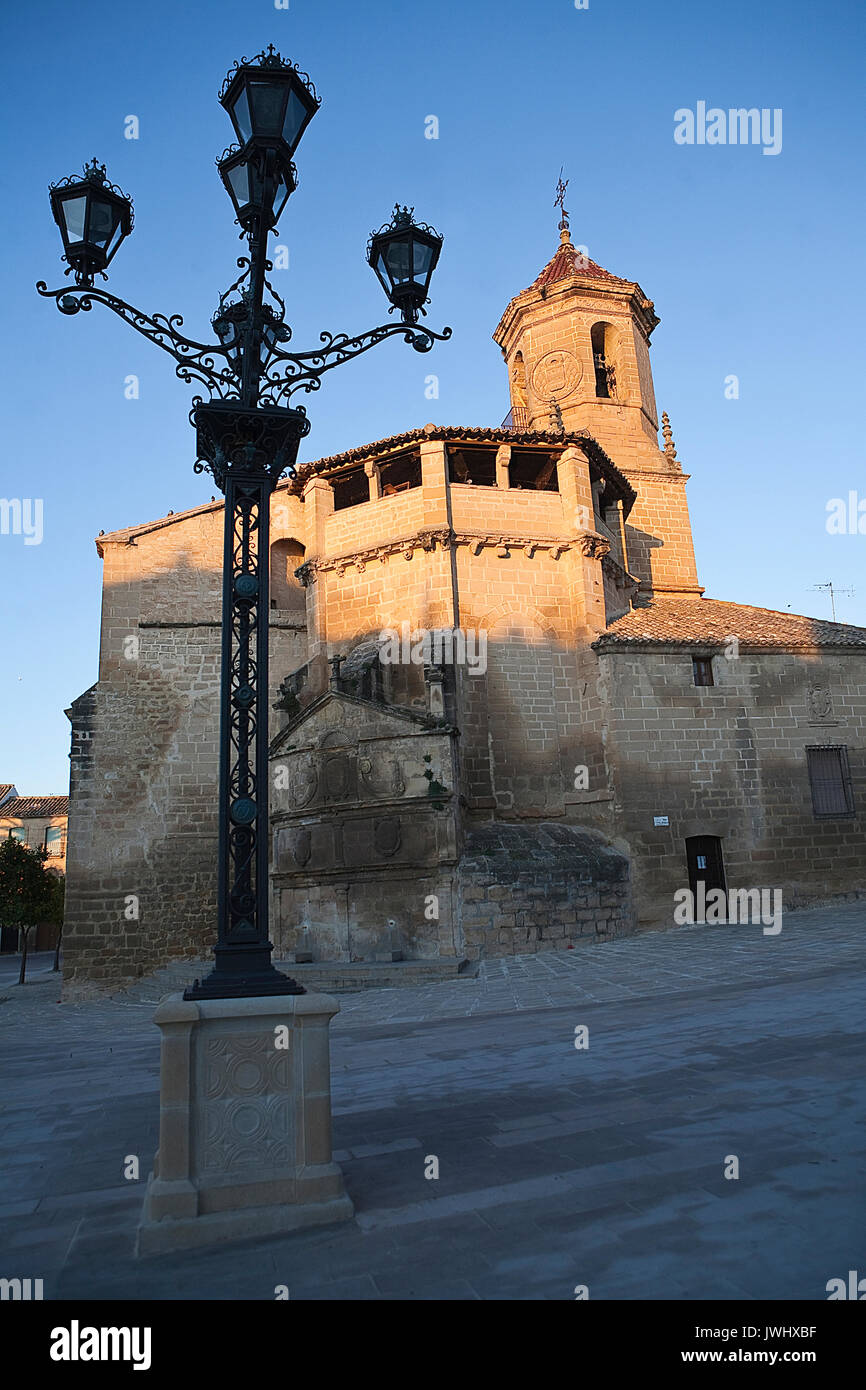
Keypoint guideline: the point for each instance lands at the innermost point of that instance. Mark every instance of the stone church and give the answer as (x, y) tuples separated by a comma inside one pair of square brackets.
[(505, 717)]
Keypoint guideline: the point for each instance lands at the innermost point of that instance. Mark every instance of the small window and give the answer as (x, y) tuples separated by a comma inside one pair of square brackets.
[(702, 670), (473, 466), (350, 489), (18, 832), (534, 470), (54, 841), (830, 781), (401, 473)]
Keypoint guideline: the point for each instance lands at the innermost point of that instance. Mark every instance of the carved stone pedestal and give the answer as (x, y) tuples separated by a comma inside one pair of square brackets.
[(245, 1122)]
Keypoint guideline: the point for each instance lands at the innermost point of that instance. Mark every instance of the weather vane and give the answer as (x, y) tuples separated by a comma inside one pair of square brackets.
[(559, 201)]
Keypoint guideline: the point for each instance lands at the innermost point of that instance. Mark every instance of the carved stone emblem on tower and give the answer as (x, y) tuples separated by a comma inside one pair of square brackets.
[(556, 376)]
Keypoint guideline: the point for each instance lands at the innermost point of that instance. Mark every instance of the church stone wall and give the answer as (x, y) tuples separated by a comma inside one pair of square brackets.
[(659, 533), (519, 511), (525, 890), (537, 605), (141, 887), (377, 521), (142, 884), (525, 722), (728, 760)]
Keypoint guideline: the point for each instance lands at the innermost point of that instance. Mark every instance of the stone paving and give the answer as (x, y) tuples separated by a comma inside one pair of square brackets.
[(558, 1166)]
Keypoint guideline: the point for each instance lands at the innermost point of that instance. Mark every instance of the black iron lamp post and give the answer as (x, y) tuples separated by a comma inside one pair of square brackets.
[(247, 437)]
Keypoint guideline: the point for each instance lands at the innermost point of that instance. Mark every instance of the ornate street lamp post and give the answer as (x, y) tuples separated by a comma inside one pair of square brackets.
[(247, 436)]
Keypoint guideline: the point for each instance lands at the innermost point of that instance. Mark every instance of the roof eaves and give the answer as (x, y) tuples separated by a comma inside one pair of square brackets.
[(453, 433), (433, 433)]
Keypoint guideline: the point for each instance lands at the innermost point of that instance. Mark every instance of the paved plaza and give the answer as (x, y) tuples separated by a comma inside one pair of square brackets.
[(558, 1166)]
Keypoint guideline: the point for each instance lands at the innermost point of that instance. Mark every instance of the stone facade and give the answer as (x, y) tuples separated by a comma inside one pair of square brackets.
[(526, 889), (729, 761), (505, 800), (365, 821)]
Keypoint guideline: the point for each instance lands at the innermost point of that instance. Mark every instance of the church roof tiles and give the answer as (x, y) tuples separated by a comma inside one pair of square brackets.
[(706, 622)]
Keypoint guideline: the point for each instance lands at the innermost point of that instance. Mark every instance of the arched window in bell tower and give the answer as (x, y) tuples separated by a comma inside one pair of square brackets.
[(602, 337)]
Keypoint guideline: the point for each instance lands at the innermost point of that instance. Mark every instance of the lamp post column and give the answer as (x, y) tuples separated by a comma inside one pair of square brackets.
[(243, 951)]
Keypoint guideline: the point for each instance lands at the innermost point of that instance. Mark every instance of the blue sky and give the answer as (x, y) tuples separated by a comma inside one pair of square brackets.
[(754, 263)]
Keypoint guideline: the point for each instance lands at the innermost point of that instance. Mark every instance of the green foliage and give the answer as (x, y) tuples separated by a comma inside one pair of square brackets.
[(435, 789), (29, 893)]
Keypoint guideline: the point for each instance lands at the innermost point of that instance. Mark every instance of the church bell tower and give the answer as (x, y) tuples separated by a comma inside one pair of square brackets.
[(576, 345)]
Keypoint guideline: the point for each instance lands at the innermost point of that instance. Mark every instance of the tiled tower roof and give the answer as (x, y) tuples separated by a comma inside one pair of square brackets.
[(567, 261)]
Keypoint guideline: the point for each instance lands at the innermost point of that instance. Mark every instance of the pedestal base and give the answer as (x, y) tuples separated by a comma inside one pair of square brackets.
[(245, 1122)]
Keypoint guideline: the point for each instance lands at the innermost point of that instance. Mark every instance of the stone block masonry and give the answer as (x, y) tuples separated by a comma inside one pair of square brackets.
[(527, 889)]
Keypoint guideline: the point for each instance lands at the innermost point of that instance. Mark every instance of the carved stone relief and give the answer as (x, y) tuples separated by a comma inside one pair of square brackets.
[(305, 782), (385, 780), (246, 1109), (819, 703), (556, 376), (387, 836)]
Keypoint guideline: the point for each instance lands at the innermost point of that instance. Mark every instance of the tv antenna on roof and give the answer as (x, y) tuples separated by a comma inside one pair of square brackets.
[(833, 592)]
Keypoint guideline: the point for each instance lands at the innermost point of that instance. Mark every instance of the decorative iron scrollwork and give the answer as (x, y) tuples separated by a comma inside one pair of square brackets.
[(269, 58), (195, 361), (246, 502), (306, 369), (218, 366), (252, 440)]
